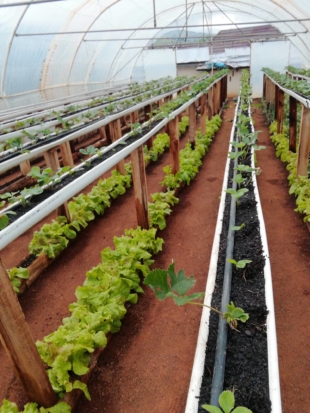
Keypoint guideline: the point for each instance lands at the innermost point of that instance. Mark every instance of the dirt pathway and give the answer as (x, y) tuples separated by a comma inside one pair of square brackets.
[(147, 366), (289, 245)]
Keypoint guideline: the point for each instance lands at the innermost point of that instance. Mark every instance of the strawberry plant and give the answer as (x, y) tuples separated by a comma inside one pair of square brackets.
[(227, 404)]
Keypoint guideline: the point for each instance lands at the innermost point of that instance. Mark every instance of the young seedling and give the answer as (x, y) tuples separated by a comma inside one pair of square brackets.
[(238, 179), (235, 155), (134, 128), (239, 264), (4, 219), (237, 228), (166, 283), (237, 194), (89, 151), (227, 404)]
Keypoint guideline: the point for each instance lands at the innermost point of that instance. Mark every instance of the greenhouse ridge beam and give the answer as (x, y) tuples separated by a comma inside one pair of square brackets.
[(161, 27), (28, 3)]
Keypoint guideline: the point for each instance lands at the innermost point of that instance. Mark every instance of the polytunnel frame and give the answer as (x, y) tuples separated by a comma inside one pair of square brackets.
[(302, 47)]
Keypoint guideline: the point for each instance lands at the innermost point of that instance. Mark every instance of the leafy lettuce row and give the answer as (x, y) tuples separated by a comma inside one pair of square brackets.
[(299, 186), (10, 407), (190, 158), (99, 308)]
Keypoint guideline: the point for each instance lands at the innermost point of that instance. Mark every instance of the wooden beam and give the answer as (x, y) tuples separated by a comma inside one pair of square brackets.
[(25, 167), (293, 123), (192, 124), (280, 110), (63, 210), (304, 143), (264, 86), (203, 113), (20, 347), (173, 132), (276, 101), (116, 133), (210, 103), (140, 187), (51, 159), (66, 154)]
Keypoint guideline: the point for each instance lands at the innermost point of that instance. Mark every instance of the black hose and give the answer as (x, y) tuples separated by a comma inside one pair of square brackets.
[(220, 355)]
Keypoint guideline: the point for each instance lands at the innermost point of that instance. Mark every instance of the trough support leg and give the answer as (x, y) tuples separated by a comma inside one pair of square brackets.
[(293, 123), (173, 132), (20, 347), (304, 143), (192, 125), (140, 187), (203, 114)]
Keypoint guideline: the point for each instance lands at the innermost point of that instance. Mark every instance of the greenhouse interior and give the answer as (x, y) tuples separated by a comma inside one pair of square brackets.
[(155, 206)]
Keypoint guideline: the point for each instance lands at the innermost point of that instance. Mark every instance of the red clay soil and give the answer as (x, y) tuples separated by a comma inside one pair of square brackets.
[(146, 367), (289, 245)]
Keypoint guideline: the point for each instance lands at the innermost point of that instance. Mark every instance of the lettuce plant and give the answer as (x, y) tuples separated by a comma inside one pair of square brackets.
[(227, 404)]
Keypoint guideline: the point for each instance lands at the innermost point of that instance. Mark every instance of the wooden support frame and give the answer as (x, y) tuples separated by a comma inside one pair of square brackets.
[(173, 132), (20, 347), (192, 124), (66, 155), (280, 109), (140, 187), (116, 133), (276, 101), (51, 159), (203, 113), (304, 143), (25, 167), (210, 103), (264, 86), (293, 123), (64, 211)]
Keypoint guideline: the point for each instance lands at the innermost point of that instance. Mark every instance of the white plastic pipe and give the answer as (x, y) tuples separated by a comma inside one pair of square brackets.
[(11, 163), (199, 360), (273, 362), (18, 227)]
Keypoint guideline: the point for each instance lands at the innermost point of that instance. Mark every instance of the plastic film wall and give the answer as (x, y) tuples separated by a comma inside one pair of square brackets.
[(81, 44)]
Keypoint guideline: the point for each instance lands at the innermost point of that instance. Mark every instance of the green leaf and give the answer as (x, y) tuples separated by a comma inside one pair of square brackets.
[(157, 280), (82, 386), (8, 407), (4, 221), (61, 407), (211, 409), (241, 410), (243, 263), (31, 408), (232, 261), (227, 401)]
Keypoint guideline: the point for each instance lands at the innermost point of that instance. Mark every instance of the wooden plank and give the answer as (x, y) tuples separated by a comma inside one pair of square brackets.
[(203, 113), (20, 347), (25, 167), (304, 143), (140, 187), (276, 101), (147, 110), (35, 270), (293, 123), (63, 210), (192, 124), (173, 132), (210, 103), (280, 110), (66, 154), (116, 133), (51, 159), (102, 132), (134, 117), (264, 86)]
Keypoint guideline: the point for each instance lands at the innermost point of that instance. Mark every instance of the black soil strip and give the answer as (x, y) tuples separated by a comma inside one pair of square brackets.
[(246, 359)]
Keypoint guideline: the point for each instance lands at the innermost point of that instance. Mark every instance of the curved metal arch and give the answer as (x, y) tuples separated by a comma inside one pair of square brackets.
[(134, 31), (274, 15), (10, 47), (83, 37)]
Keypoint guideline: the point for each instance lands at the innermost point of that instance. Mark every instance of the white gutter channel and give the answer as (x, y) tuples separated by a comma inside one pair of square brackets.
[(51, 123), (300, 76), (304, 101), (273, 362), (199, 360), (28, 220), (11, 163)]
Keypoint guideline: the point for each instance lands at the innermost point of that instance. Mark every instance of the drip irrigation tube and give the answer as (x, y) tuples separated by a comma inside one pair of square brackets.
[(199, 360)]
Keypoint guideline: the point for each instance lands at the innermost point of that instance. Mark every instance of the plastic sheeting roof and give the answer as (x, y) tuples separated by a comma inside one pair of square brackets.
[(62, 42)]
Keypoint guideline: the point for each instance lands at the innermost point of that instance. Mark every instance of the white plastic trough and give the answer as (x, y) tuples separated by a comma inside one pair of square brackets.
[(192, 403)]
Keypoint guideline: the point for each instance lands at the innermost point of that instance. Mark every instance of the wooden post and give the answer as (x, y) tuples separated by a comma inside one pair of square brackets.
[(264, 86), (140, 187), (192, 124), (102, 132), (203, 114), (51, 159), (134, 116), (19, 345), (293, 123), (210, 103), (304, 143), (116, 133), (147, 111), (173, 132), (63, 210), (66, 154), (276, 101), (25, 167), (280, 110)]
